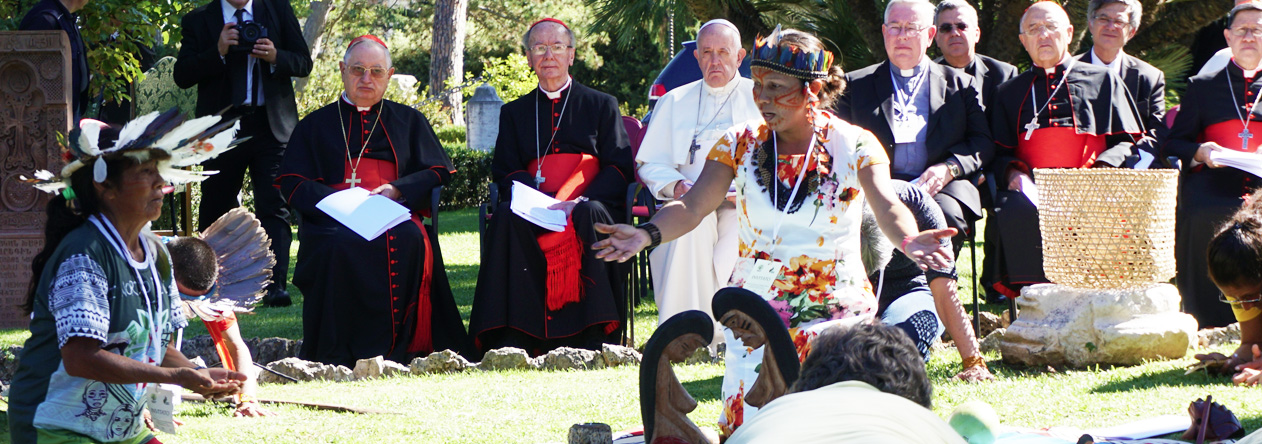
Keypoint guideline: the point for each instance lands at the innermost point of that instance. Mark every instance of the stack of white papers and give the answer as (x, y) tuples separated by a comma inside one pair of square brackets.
[(1248, 162), (532, 205), (368, 215)]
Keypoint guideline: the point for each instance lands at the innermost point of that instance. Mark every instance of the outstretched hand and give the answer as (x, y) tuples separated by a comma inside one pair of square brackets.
[(624, 242), (1250, 373), (977, 373), (211, 382), (928, 253)]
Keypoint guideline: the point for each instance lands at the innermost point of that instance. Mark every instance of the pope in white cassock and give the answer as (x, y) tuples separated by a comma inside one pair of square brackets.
[(686, 123)]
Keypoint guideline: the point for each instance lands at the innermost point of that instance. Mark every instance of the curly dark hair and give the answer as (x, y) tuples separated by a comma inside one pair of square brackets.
[(194, 263), (880, 355), (1235, 253)]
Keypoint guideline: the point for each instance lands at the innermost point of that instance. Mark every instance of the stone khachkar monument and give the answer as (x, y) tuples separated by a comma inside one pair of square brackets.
[(1108, 246), (34, 108)]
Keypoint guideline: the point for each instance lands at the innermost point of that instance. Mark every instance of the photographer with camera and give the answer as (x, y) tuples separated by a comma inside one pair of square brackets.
[(242, 54)]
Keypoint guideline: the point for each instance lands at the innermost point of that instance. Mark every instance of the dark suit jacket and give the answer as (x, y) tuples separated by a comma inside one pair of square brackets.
[(51, 15), (1146, 86), (957, 123), (987, 74), (199, 62)]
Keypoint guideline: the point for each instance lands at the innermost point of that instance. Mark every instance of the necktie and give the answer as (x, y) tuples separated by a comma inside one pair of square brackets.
[(238, 63)]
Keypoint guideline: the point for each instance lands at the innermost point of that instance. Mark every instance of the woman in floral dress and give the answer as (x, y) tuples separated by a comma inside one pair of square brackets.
[(801, 176)]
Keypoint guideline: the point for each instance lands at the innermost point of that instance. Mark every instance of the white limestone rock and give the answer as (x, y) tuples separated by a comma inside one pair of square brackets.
[(393, 368), (566, 358), (369, 368), (305, 371), (616, 355), (445, 361), (507, 358), (1061, 325)]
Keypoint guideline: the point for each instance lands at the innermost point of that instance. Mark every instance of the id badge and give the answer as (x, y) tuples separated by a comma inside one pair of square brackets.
[(162, 401), (905, 131), (762, 277)]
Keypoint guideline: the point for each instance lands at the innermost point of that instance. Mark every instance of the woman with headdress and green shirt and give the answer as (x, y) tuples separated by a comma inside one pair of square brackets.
[(103, 301), (801, 175)]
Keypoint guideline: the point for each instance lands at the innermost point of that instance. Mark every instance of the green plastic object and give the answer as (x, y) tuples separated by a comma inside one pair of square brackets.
[(976, 422)]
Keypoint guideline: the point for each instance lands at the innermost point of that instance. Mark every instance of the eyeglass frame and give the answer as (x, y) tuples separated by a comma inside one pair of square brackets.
[(903, 29), (373, 70), (1120, 23), (1257, 32), (541, 49), (948, 27), (1048, 28), (1224, 299)]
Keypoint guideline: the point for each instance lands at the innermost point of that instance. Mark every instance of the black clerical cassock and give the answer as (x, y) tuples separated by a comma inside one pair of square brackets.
[(1087, 122), (388, 296), (1215, 108), (539, 290)]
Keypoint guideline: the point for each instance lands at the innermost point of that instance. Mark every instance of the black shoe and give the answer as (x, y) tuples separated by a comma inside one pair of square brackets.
[(277, 298)]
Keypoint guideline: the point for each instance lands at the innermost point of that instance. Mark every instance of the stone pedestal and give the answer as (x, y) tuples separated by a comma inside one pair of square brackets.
[(34, 108), (484, 118), (1062, 325)]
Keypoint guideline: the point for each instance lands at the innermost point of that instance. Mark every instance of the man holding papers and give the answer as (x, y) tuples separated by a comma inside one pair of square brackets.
[(540, 289), (1219, 113), (370, 287)]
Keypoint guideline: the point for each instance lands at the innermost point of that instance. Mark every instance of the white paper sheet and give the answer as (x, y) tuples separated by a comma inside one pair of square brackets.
[(1248, 162), (1030, 190), (532, 205), (368, 215), (1144, 428)]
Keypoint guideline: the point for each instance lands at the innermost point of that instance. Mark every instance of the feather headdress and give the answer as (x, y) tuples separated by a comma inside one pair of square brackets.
[(791, 60), (182, 143), (245, 265)]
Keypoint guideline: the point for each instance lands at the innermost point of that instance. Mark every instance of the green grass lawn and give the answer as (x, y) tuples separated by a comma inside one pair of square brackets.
[(538, 406)]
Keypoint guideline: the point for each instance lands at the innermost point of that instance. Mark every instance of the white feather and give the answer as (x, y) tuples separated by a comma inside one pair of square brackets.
[(133, 130), (90, 135), (44, 175), (196, 152), (187, 129)]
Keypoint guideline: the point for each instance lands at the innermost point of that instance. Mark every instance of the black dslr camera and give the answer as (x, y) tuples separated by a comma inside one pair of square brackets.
[(248, 33)]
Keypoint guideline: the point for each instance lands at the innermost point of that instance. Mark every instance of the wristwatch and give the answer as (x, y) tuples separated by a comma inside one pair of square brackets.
[(954, 169)]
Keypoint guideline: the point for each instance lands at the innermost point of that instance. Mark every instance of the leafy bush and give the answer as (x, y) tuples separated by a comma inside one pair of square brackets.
[(468, 184), (510, 75), (450, 134)]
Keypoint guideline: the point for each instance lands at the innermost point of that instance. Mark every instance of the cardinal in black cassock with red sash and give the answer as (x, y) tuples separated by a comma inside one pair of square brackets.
[(1219, 111), (387, 296), (1061, 113), (537, 289)]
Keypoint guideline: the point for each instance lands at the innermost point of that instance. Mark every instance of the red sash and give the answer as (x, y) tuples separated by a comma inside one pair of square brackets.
[(1059, 147), (1227, 134), (216, 330), (566, 176), (375, 173)]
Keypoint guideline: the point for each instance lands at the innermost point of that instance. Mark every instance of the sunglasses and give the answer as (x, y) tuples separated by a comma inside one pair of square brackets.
[(951, 27), (359, 70)]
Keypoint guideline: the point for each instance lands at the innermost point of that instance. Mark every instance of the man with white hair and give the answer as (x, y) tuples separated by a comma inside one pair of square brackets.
[(926, 116), (690, 119), (957, 38), (1113, 23), (385, 296)]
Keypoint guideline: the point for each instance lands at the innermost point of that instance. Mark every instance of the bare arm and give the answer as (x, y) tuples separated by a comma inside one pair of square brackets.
[(898, 223), (675, 219), (956, 320), (84, 358), (241, 358)]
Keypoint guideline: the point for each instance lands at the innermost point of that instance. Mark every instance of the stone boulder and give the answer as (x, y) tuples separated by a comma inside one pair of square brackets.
[(1213, 337), (305, 371), (267, 350), (566, 358), (616, 355), (508, 358), (590, 433), (394, 369), (200, 345), (369, 368), (991, 342), (445, 361), (9, 362), (1062, 325)]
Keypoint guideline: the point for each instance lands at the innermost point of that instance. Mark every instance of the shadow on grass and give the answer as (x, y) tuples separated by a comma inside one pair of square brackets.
[(704, 390), (1168, 378)]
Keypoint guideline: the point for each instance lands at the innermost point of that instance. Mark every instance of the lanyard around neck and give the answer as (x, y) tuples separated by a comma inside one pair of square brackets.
[(116, 240), (904, 99), (775, 187)]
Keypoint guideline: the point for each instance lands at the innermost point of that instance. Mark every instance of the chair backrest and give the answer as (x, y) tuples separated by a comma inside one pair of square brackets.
[(635, 131), (1170, 115), (158, 91)]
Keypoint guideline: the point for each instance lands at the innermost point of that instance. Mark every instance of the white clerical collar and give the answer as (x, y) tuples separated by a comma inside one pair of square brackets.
[(1115, 66), (230, 12), (557, 94), (914, 70), (722, 90), (1248, 73), (357, 107)]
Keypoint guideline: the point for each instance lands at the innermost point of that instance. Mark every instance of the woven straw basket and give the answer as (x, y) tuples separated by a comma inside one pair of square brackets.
[(1107, 228)]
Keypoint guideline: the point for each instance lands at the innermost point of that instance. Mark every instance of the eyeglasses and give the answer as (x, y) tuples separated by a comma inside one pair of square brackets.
[(904, 29), (377, 73), (1040, 29), (1242, 31), (542, 49), (1104, 20), (951, 27), (1237, 302)]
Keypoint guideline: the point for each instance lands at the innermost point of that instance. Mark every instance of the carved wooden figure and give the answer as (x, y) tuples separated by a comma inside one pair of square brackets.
[(756, 324), (664, 403)]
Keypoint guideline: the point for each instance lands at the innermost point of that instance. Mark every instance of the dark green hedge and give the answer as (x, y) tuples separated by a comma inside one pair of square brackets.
[(468, 185)]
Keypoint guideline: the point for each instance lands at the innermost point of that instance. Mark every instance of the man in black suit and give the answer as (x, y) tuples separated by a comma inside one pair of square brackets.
[(59, 15), (1113, 23), (927, 116), (957, 38), (255, 81)]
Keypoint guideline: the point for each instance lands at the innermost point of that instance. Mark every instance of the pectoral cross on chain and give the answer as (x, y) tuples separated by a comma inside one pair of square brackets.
[(353, 181), (539, 179), (1030, 127), (692, 151), (1244, 139)]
